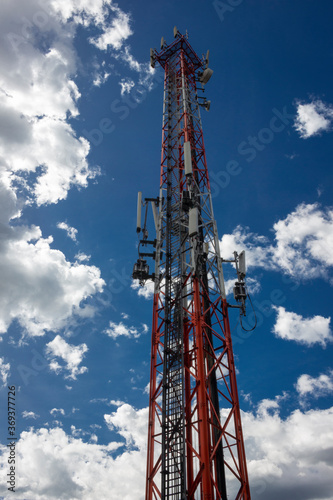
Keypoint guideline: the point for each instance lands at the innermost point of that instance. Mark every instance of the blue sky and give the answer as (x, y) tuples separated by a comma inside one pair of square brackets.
[(80, 134)]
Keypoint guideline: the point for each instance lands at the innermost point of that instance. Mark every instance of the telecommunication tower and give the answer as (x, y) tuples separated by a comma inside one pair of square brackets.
[(195, 441)]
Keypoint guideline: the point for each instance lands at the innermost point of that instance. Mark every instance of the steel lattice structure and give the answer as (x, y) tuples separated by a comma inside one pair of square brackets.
[(195, 441)]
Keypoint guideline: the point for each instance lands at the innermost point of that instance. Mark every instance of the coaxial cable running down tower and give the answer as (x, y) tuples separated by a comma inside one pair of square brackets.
[(195, 441)]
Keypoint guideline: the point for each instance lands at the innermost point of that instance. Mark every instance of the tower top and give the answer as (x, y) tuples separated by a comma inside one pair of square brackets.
[(167, 51)]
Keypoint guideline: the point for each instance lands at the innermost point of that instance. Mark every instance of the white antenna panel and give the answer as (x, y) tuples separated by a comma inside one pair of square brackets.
[(187, 158), (193, 221), (242, 263)]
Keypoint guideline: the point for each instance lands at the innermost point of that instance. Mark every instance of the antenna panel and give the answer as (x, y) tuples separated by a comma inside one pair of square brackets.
[(242, 263)]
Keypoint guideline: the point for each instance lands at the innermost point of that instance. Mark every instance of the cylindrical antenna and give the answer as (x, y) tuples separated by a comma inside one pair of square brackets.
[(138, 217)]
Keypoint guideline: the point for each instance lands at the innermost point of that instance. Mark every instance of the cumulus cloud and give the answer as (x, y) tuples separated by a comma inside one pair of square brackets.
[(120, 329), (114, 32), (101, 78), (131, 424), (82, 433), (303, 238), (126, 85), (38, 95), (284, 460), (313, 118), (308, 331), (291, 457), (146, 291), (40, 288), (71, 231), (303, 245), (72, 356), (82, 257), (116, 402), (315, 386), (256, 246), (30, 414), (56, 465), (54, 411), (4, 371)]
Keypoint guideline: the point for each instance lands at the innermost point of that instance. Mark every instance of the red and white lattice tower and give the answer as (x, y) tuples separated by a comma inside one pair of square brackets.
[(195, 440)]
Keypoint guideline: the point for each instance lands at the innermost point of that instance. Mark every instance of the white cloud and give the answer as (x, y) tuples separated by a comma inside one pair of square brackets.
[(38, 93), (63, 160), (80, 433), (254, 245), (9, 205), (82, 257), (305, 238), (308, 331), (114, 32), (72, 355), (313, 118), (131, 424), (39, 149), (315, 386), (38, 96), (287, 458), (117, 402), (54, 411), (126, 85), (303, 245), (253, 285), (4, 371), (120, 329), (292, 457), (71, 233), (95, 426), (133, 63), (146, 291), (98, 400), (101, 78), (40, 288), (30, 414), (145, 328), (56, 465)]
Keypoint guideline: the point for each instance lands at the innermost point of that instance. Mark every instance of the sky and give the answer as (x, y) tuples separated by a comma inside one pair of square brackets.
[(80, 134)]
